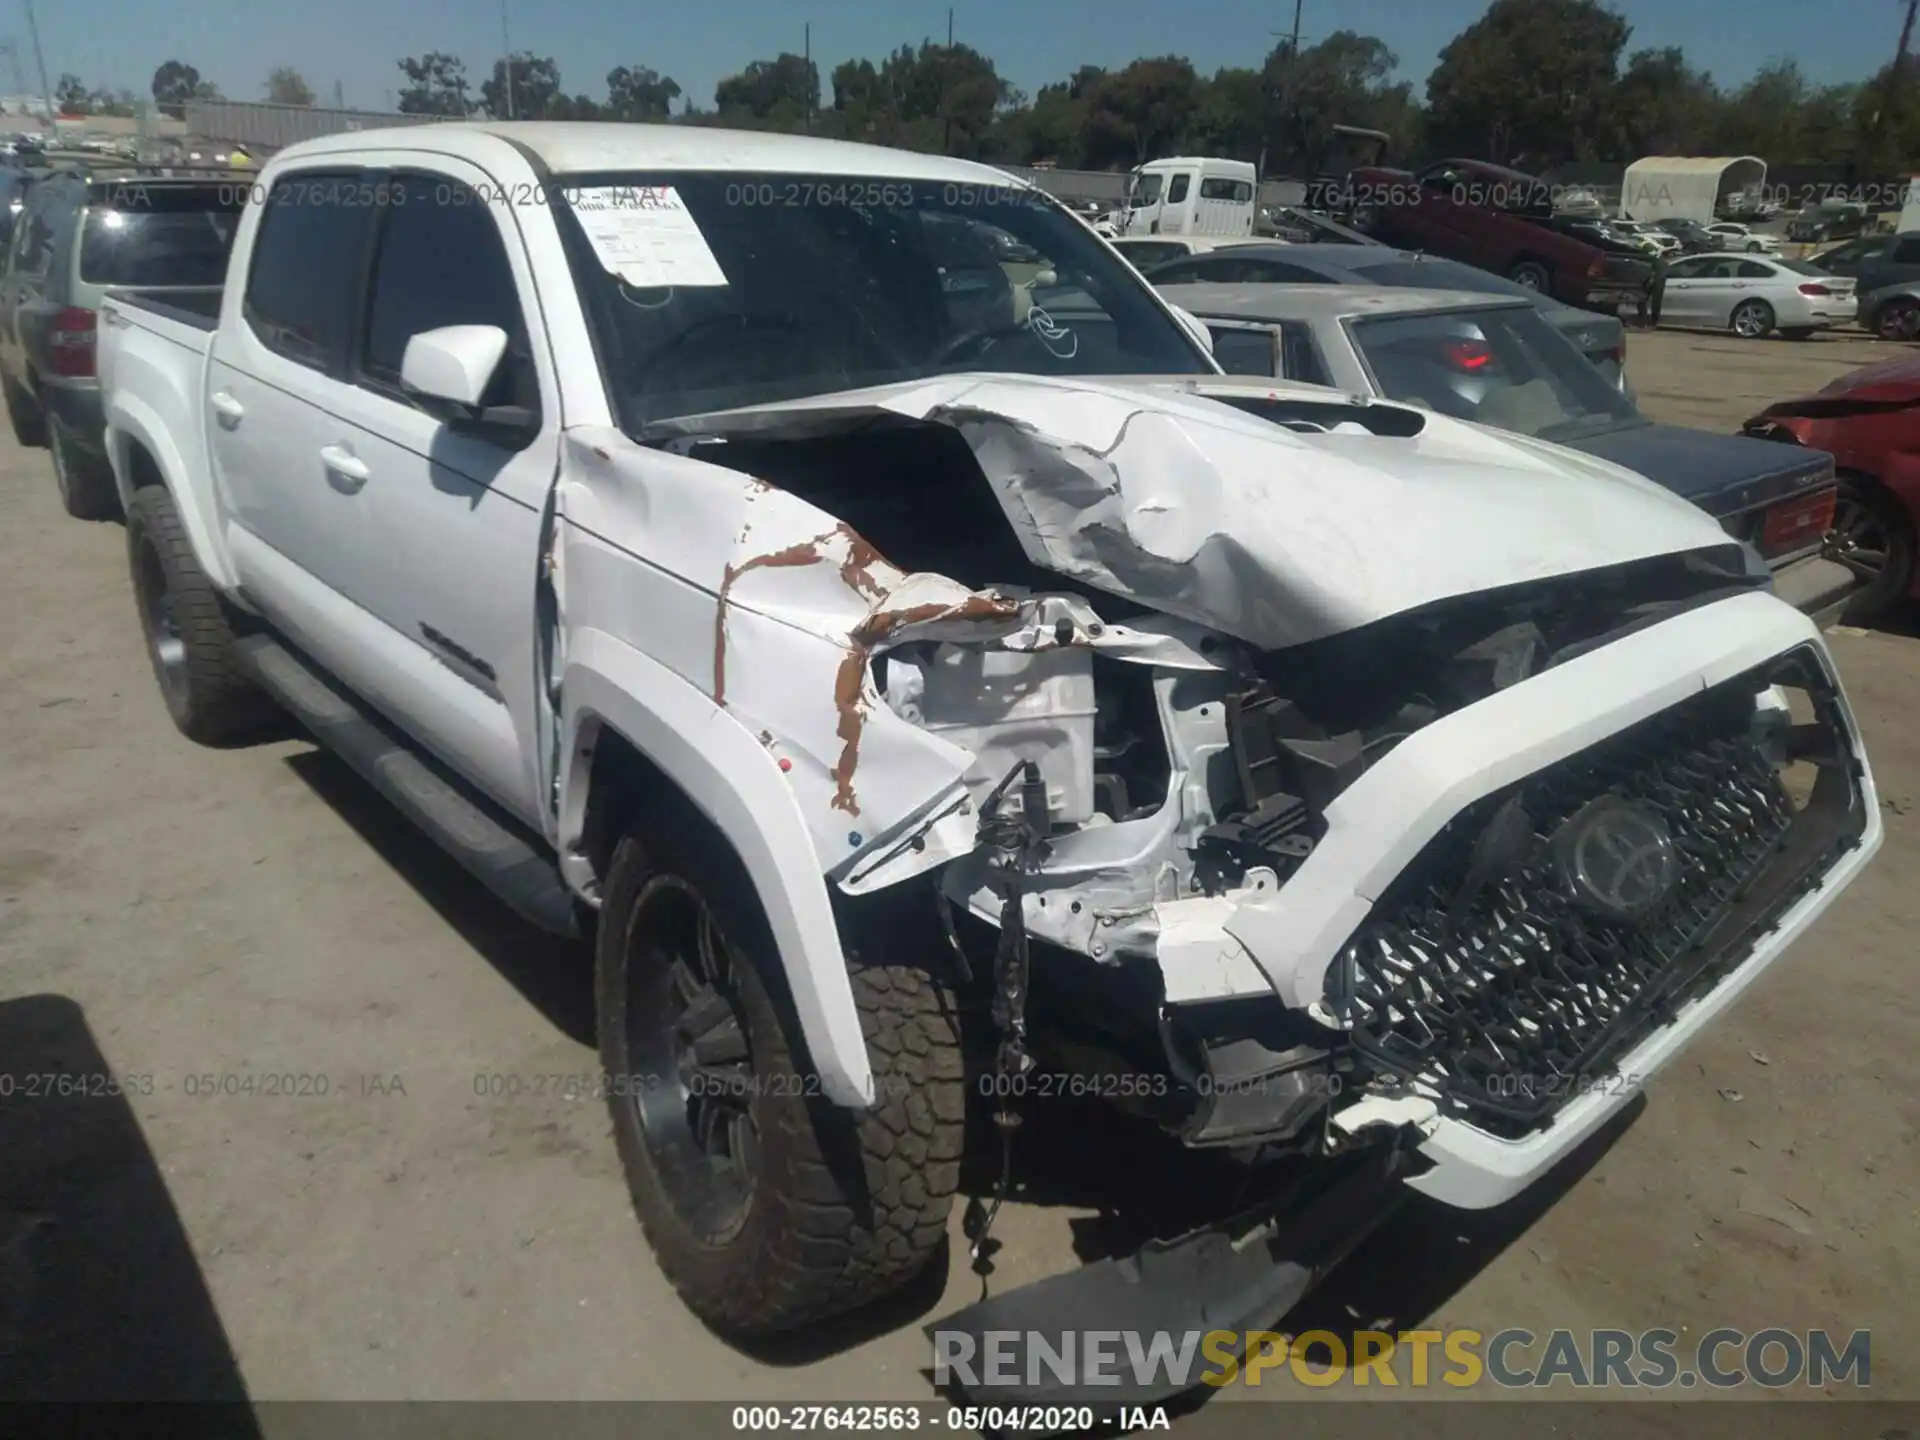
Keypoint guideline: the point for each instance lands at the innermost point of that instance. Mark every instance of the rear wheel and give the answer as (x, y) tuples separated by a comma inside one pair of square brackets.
[(23, 411), (1752, 319), (85, 480), (1898, 320), (184, 620), (766, 1205), (1532, 274), (1873, 537)]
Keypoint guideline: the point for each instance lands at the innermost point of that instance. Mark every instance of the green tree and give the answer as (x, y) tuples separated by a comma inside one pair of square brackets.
[(71, 96), (1232, 117), (637, 93), (1663, 106), (175, 83), (436, 85), (1530, 83), (287, 86), (1340, 81), (778, 92), (536, 89), (1137, 113)]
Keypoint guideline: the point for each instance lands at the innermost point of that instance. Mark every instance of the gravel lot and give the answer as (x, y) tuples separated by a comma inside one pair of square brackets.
[(258, 911)]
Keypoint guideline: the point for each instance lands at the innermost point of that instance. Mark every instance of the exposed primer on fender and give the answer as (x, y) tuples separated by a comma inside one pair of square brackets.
[(857, 567)]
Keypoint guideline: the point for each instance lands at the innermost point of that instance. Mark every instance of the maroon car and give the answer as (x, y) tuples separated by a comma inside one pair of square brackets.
[(1495, 218), (1869, 421)]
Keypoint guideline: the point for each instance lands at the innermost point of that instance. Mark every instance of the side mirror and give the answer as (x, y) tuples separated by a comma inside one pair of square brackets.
[(1202, 336), (449, 371), (454, 364)]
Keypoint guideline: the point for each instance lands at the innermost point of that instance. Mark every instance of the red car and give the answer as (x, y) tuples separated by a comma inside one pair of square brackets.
[(1869, 421), (1495, 218)]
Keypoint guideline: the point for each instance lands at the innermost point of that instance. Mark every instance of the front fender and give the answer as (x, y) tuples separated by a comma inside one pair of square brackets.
[(736, 784), (131, 420)]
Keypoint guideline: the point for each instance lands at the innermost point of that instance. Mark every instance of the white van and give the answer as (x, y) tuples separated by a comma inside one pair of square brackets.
[(1189, 195)]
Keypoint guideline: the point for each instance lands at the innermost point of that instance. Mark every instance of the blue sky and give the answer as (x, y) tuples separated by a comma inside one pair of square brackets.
[(356, 42)]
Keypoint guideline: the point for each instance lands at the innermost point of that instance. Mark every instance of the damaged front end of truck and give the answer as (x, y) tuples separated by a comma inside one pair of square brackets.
[(1241, 749)]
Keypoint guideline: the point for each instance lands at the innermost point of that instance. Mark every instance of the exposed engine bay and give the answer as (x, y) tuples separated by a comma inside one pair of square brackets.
[(1124, 760)]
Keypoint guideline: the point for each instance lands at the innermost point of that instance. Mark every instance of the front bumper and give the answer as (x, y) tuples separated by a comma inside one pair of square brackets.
[(1283, 940)]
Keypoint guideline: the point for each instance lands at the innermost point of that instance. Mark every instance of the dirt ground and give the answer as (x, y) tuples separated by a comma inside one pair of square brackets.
[(410, 1234)]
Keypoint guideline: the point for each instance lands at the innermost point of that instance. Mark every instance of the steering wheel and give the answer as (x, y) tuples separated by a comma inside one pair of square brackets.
[(748, 321), (981, 337)]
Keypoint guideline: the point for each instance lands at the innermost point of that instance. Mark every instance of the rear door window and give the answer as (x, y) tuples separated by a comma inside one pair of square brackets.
[(152, 236), (1177, 191), (306, 265)]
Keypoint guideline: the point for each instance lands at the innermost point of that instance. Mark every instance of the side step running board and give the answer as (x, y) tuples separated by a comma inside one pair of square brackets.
[(488, 845)]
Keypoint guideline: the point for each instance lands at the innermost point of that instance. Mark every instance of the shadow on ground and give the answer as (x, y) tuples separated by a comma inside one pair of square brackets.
[(101, 1298), (554, 975)]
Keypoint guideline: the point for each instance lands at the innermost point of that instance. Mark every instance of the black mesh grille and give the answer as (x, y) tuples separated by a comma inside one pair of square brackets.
[(1507, 998)]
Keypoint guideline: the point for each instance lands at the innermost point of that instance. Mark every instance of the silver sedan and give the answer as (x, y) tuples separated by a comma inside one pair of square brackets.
[(1753, 295)]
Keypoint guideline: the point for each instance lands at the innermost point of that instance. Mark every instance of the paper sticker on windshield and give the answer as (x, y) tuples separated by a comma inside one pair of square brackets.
[(645, 235)]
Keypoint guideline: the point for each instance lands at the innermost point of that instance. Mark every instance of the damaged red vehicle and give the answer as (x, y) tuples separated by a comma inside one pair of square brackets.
[(1869, 421)]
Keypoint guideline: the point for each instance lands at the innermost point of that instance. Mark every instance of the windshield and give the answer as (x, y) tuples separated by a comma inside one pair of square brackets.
[(740, 289), (1503, 367), (1798, 267), (1437, 275), (155, 236)]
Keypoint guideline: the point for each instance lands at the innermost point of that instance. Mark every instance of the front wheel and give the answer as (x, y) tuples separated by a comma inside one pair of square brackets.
[(1752, 319), (767, 1205)]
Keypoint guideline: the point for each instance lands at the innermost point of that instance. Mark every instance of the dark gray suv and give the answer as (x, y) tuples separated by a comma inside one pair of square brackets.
[(78, 236)]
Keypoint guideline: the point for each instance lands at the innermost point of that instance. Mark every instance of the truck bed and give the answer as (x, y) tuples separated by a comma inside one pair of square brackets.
[(198, 306)]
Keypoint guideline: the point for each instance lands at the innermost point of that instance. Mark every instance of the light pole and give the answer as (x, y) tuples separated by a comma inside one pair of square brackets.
[(506, 59), (40, 61)]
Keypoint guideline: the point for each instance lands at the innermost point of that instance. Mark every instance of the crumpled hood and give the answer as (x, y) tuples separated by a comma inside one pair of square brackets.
[(1149, 489)]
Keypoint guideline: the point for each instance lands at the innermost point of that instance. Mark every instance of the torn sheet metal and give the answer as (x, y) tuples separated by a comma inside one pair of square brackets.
[(1277, 538)]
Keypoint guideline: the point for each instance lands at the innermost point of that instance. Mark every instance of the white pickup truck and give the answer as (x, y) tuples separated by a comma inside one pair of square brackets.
[(835, 581)]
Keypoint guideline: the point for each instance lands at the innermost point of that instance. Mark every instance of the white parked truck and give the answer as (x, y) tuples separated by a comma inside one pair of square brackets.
[(874, 647), (1188, 195)]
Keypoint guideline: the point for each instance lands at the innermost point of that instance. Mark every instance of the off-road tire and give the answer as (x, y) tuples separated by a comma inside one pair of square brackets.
[(1763, 320), (23, 412), (85, 481), (847, 1205), (208, 696)]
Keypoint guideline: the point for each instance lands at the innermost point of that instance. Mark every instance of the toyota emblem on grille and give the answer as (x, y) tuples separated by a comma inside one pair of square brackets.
[(1618, 857)]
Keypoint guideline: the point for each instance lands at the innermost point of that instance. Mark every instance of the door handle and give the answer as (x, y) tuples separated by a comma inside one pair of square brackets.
[(226, 409), (347, 471)]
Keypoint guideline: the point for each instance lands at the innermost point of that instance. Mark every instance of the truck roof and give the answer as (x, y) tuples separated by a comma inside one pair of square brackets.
[(576, 147), (1324, 302)]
